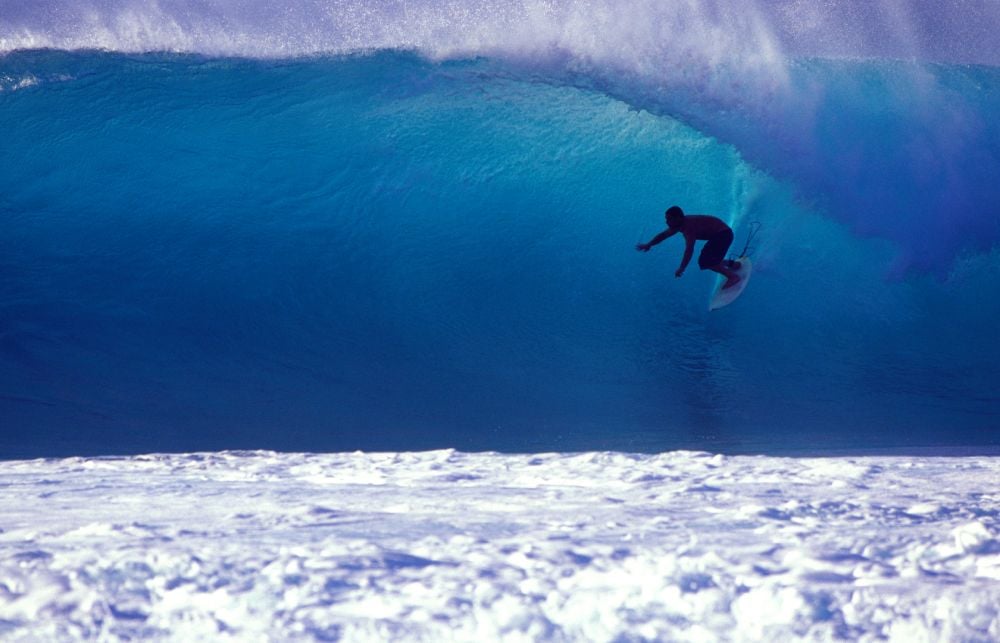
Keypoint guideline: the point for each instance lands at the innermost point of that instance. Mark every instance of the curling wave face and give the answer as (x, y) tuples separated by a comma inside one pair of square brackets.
[(386, 248)]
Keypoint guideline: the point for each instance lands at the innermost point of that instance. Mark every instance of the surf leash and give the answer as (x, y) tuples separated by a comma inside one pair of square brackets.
[(755, 227)]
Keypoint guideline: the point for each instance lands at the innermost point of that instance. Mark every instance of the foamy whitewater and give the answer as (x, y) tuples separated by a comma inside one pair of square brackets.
[(363, 275), (442, 546)]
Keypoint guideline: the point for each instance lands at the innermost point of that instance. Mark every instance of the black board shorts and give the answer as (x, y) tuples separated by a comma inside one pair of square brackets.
[(715, 250)]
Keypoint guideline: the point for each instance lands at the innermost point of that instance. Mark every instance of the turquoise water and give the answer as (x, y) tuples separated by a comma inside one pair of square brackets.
[(391, 249)]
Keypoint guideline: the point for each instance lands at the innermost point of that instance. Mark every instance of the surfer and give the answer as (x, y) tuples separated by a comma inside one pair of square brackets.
[(700, 227)]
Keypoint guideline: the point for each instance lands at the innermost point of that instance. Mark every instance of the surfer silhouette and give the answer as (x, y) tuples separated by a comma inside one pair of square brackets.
[(700, 227)]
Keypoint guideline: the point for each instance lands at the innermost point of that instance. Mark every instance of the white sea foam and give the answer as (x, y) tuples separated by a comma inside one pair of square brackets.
[(454, 546), (14, 83)]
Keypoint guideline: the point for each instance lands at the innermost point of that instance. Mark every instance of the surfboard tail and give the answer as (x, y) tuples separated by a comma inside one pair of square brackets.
[(724, 297)]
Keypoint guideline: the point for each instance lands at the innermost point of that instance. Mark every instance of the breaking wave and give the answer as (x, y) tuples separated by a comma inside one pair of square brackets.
[(408, 225)]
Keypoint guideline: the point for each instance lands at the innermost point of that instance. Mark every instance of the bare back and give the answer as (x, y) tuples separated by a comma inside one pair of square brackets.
[(702, 227)]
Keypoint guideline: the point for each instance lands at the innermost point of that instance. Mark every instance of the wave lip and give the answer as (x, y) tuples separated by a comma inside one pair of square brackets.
[(644, 30), (653, 39)]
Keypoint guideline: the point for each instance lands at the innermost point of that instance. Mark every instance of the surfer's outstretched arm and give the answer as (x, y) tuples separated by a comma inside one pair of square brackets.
[(666, 234)]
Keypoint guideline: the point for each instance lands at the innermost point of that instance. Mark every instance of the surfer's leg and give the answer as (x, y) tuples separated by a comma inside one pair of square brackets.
[(731, 277), (713, 257), (714, 252)]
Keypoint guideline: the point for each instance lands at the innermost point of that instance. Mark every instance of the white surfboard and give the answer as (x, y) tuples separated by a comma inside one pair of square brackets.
[(725, 297)]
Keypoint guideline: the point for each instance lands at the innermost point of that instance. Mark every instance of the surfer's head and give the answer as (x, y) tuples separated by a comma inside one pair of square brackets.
[(674, 216)]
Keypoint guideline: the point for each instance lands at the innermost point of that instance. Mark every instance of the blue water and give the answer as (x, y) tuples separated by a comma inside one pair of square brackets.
[(226, 231)]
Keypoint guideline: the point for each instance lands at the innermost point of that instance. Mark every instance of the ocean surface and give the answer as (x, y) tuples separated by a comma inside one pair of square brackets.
[(335, 226)]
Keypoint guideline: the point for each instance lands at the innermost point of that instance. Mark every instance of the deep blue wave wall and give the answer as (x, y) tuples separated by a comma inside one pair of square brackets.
[(381, 251)]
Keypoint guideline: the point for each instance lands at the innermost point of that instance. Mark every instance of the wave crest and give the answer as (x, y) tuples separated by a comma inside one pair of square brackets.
[(645, 32)]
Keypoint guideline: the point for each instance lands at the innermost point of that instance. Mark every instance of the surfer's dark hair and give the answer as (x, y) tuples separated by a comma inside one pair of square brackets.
[(675, 211)]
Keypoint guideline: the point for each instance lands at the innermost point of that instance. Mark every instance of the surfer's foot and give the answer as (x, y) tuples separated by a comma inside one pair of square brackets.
[(733, 265), (732, 281)]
